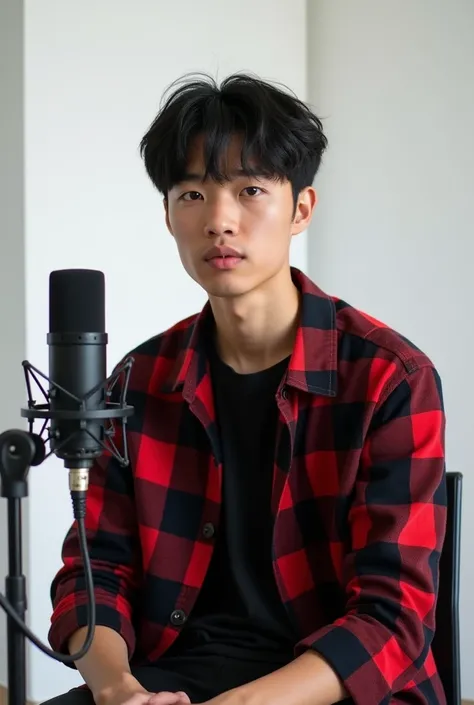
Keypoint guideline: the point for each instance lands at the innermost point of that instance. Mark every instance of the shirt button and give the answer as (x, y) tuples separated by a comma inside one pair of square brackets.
[(208, 530), (178, 618), (284, 393)]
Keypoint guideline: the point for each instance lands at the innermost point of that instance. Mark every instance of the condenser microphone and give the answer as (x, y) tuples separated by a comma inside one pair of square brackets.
[(77, 363), (78, 401)]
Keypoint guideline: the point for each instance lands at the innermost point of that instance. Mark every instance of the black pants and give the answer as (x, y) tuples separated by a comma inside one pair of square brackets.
[(201, 678)]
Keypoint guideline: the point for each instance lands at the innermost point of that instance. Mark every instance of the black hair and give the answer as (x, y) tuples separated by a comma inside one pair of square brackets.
[(281, 136)]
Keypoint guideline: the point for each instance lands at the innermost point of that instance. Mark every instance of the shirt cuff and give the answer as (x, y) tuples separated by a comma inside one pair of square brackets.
[(68, 622), (350, 660)]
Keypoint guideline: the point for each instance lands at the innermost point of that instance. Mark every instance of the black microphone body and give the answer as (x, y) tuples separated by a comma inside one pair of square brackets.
[(77, 365)]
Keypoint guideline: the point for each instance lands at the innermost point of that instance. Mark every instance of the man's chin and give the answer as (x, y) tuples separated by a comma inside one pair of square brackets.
[(227, 286), (226, 291)]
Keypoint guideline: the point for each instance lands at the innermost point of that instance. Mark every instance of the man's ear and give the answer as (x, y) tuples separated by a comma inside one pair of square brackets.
[(306, 203), (167, 215)]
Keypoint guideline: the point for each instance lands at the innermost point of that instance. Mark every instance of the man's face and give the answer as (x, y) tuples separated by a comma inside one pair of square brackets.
[(253, 216)]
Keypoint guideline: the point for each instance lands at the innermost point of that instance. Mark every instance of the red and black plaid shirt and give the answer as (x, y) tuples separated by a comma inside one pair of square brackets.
[(358, 501)]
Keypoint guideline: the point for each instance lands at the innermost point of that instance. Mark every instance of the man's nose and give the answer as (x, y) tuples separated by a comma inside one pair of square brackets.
[(222, 219)]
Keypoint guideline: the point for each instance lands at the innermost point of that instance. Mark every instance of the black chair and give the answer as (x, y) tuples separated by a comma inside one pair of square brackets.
[(445, 645)]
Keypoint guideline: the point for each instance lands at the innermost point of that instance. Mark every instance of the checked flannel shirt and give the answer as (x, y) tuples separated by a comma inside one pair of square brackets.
[(358, 501)]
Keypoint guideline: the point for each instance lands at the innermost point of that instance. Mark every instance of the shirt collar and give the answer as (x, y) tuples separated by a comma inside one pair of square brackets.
[(313, 363)]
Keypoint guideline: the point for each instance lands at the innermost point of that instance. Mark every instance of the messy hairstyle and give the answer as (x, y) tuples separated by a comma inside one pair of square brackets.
[(282, 138)]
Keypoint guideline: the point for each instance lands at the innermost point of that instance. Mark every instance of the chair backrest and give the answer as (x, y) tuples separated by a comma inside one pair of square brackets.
[(446, 650)]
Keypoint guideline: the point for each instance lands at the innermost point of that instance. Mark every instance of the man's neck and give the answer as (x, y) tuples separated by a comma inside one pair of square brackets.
[(256, 331)]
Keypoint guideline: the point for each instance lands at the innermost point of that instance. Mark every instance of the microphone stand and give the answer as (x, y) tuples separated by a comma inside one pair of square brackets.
[(17, 452)]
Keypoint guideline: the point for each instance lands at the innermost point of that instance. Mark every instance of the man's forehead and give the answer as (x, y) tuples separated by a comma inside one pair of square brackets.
[(226, 162), (196, 173)]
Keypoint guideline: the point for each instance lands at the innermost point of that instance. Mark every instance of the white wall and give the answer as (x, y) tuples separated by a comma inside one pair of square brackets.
[(394, 229), (94, 75)]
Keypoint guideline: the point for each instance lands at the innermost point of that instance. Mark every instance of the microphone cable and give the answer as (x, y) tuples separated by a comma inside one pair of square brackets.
[(79, 515)]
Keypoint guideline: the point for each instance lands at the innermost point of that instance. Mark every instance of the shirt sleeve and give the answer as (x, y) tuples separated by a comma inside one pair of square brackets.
[(114, 553), (397, 527)]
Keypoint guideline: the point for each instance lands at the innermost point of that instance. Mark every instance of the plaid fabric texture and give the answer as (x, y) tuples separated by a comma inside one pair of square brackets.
[(359, 501)]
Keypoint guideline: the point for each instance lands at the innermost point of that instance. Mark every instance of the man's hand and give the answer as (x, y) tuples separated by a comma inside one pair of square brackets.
[(131, 692), (165, 698)]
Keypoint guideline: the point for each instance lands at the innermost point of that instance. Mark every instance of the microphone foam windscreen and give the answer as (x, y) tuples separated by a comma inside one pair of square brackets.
[(76, 301)]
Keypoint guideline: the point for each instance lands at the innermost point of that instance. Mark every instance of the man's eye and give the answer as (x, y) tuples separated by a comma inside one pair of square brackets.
[(252, 190), (191, 196)]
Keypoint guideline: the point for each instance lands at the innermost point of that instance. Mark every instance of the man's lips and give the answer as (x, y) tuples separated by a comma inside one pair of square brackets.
[(222, 252), (224, 263)]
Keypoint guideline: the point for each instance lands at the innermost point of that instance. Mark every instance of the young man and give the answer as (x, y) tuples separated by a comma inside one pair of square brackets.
[(276, 538)]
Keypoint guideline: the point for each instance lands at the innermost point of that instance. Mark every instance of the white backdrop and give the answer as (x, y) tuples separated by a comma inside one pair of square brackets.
[(394, 230)]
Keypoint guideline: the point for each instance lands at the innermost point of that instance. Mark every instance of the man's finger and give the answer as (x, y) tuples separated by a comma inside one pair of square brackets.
[(138, 699), (167, 698)]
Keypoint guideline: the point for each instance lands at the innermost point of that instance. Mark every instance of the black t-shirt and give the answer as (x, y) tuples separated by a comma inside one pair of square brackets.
[(239, 610)]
